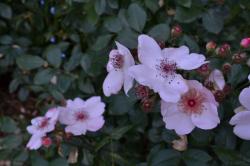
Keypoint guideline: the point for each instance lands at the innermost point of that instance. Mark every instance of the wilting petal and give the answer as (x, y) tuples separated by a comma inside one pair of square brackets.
[(208, 119), (95, 124), (245, 97), (35, 142), (76, 103), (128, 58), (76, 129), (217, 77), (175, 119), (113, 83), (148, 51), (94, 107)]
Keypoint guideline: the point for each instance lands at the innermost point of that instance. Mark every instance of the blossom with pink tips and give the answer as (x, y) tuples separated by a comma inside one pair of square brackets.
[(40, 127), (81, 116), (158, 68), (245, 43), (196, 108), (241, 120), (120, 60)]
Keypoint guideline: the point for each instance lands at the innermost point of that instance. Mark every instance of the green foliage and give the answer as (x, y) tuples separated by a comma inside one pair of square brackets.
[(42, 72)]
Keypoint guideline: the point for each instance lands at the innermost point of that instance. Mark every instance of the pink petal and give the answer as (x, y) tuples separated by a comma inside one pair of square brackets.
[(148, 51), (94, 106), (175, 119), (76, 129), (113, 82), (217, 77), (128, 82), (208, 119), (35, 142), (95, 124), (128, 58), (245, 97), (242, 131), (240, 118), (66, 116), (76, 103)]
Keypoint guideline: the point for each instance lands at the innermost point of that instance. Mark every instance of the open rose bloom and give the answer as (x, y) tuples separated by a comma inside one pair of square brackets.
[(241, 120), (120, 60), (81, 116), (196, 108), (158, 68)]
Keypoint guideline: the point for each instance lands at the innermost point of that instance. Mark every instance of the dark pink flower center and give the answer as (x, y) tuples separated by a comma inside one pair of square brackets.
[(44, 123), (80, 116), (167, 68), (117, 61), (192, 102)]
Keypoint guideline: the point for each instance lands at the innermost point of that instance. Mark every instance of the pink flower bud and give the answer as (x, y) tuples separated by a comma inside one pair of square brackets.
[(141, 91), (210, 46), (46, 142), (176, 31), (147, 105), (203, 69), (245, 43), (223, 50)]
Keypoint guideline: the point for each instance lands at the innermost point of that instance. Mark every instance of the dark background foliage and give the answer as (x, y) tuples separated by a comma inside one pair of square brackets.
[(52, 50)]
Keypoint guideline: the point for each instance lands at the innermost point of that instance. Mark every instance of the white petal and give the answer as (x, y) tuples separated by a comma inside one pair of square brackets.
[(248, 77), (76, 129), (240, 118), (148, 51), (146, 76), (175, 52), (177, 83), (35, 142), (53, 114), (175, 119), (128, 58), (112, 54), (217, 77), (242, 131), (66, 116), (113, 83), (128, 82), (95, 124), (245, 97), (94, 107), (239, 109), (76, 103), (32, 129), (208, 119)]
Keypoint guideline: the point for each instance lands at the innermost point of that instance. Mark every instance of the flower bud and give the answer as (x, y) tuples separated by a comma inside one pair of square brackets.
[(245, 43), (141, 91), (219, 95), (45, 64), (176, 31), (203, 69), (211, 46), (227, 89), (239, 57), (223, 50), (46, 141), (147, 105), (180, 144), (226, 67)]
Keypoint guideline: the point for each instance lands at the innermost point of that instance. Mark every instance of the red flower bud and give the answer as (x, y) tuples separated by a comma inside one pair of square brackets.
[(223, 50), (211, 46), (46, 141), (147, 105), (141, 91), (176, 31), (245, 43), (203, 69)]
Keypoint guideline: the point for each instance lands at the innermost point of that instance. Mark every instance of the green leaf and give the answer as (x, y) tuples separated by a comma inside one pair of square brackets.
[(136, 17), (74, 60), (6, 40), (212, 21), (191, 43), (86, 63), (167, 157), (56, 94), (14, 85), (185, 3), (10, 141), (86, 86), (160, 32), (152, 5), (100, 6), (5, 11), (59, 162), (37, 160), (113, 4), (128, 38), (238, 74), (29, 62), (186, 15), (101, 42), (64, 82), (7, 125), (120, 104), (194, 157), (113, 24), (43, 76), (53, 55), (119, 132), (23, 94)]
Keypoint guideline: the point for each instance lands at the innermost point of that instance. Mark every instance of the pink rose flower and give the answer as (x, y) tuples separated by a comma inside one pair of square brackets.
[(196, 108), (245, 43)]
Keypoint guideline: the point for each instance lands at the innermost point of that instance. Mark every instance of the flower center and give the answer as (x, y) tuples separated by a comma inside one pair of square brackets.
[(44, 123), (167, 68), (192, 102), (80, 116), (117, 61)]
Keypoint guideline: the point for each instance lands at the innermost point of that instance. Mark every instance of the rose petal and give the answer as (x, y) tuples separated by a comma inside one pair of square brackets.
[(217, 77), (113, 83), (76, 129), (245, 97), (128, 58), (95, 124)]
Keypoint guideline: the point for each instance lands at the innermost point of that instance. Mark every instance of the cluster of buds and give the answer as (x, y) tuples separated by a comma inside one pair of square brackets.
[(245, 43), (143, 93), (223, 50), (176, 31)]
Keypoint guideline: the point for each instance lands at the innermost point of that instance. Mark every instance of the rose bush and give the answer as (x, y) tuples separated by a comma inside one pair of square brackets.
[(118, 82)]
